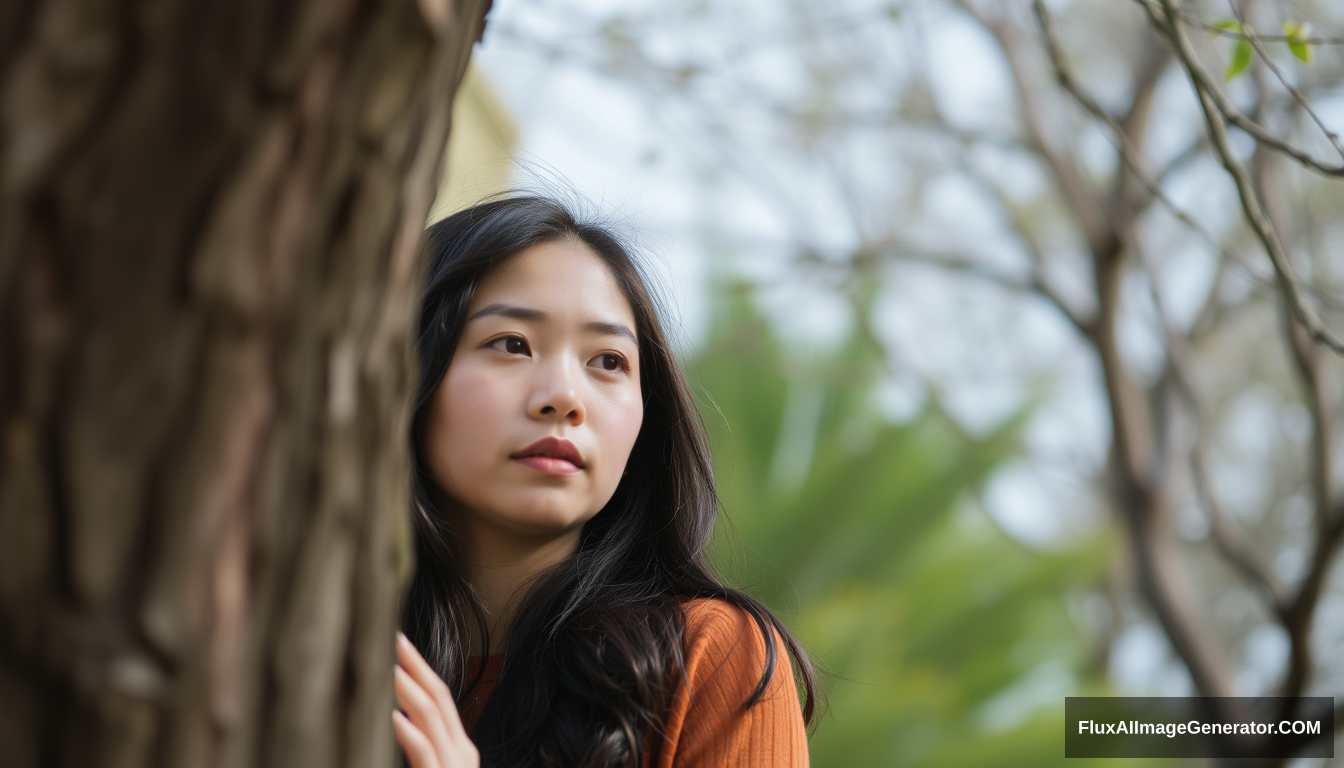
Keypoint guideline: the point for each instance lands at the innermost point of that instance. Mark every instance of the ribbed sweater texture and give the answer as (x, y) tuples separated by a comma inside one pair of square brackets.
[(706, 726)]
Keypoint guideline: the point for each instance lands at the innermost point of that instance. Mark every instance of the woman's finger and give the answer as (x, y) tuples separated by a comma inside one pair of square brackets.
[(423, 711), (414, 744), (428, 680)]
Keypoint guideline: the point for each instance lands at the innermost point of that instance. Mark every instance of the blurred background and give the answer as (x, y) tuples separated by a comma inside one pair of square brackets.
[(1006, 402)]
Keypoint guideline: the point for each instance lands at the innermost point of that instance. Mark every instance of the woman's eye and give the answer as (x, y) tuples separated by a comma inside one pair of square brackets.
[(610, 362), (511, 344)]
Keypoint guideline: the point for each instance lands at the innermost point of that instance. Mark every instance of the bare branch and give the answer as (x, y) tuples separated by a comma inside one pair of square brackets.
[(1250, 202), (1087, 326), (1294, 613), (1312, 373), (1076, 189), (1233, 34), (1297, 94), (1166, 18), (1129, 155), (1034, 283), (1182, 159), (1229, 541), (1226, 537)]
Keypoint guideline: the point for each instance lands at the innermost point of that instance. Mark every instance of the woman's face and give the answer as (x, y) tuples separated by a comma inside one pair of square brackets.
[(531, 427)]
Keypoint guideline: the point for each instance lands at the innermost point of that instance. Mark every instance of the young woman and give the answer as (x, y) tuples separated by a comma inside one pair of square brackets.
[(563, 499)]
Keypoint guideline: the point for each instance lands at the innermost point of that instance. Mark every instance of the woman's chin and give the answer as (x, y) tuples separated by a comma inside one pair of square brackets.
[(544, 520)]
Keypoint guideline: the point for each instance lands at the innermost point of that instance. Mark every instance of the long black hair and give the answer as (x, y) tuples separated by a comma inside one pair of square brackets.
[(592, 655)]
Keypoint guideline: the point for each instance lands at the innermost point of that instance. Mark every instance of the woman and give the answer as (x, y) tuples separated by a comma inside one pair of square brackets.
[(563, 501)]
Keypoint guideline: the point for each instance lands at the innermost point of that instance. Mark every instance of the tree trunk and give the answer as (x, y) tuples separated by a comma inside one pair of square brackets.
[(210, 223)]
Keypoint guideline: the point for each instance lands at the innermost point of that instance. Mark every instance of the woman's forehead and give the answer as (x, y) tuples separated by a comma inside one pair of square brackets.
[(562, 279)]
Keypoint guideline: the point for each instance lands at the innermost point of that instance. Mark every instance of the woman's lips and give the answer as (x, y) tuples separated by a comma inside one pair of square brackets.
[(551, 456), (548, 465)]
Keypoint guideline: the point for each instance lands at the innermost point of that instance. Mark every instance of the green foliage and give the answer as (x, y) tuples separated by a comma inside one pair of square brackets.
[(1242, 56), (1297, 36), (1298, 39), (935, 628)]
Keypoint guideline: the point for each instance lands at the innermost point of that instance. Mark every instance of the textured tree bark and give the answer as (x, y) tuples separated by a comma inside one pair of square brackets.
[(210, 222)]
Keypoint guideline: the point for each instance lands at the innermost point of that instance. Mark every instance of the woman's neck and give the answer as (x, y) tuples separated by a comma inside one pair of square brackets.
[(501, 566)]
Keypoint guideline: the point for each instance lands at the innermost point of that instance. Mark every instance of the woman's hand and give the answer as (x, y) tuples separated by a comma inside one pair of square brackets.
[(430, 732)]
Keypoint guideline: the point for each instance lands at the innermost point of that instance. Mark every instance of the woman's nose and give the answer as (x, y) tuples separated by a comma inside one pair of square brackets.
[(556, 395)]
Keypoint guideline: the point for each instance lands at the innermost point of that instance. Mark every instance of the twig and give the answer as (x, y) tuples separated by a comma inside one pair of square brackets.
[(1233, 34), (1250, 203), (1289, 611), (1287, 282), (1091, 216), (1038, 281), (1205, 84), (1143, 489), (1225, 537), (1310, 370), (1128, 152), (956, 262), (1181, 160), (1228, 540), (1297, 94)]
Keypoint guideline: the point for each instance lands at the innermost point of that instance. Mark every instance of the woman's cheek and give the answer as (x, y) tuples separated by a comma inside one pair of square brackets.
[(627, 417), (474, 404)]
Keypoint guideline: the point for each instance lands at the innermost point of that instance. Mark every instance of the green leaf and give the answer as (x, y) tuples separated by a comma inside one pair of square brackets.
[(894, 13), (1228, 25), (1242, 54), (1298, 39)]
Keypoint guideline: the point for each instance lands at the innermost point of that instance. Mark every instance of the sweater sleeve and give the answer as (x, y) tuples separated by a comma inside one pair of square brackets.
[(706, 726)]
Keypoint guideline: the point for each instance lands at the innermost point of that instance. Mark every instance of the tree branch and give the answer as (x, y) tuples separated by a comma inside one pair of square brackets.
[(1035, 283), (1078, 195), (1312, 374), (1144, 491), (1213, 29), (1301, 98), (1129, 154), (1229, 541), (1087, 326), (1250, 203), (1166, 17)]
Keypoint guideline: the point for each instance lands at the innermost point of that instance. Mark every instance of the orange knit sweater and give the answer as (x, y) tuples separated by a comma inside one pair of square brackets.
[(706, 726)]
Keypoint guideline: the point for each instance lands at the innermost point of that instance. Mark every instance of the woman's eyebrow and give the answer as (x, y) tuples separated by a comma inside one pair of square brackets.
[(536, 315), (612, 329), (509, 310)]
